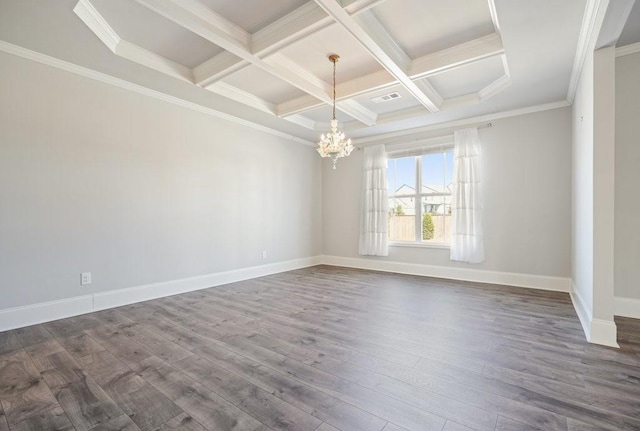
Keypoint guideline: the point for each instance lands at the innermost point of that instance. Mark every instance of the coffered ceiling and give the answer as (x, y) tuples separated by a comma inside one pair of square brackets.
[(404, 63)]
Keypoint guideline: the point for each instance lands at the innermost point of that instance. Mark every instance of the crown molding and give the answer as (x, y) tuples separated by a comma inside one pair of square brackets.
[(628, 49), (28, 54), (591, 22), (494, 16), (419, 132)]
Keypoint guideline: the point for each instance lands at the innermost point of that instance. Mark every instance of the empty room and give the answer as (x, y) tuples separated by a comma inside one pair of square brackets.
[(320, 215)]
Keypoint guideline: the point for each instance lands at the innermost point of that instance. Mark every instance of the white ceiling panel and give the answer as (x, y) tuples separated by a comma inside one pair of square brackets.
[(138, 25), (468, 79), (253, 15), (631, 32), (311, 54), (422, 27), (263, 85), (405, 100), (324, 115)]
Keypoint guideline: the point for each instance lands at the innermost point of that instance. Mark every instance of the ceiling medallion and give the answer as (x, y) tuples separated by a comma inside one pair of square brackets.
[(333, 144)]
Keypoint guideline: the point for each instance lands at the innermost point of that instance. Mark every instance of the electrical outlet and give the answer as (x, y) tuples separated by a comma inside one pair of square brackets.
[(85, 278), (264, 254)]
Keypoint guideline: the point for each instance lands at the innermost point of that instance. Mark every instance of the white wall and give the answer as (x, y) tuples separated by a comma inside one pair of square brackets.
[(135, 190), (593, 197), (627, 177), (527, 200), (582, 196)]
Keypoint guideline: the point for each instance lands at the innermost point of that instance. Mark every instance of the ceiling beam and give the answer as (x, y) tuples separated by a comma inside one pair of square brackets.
[(125, 49), (376, 49), (355, 110), (456, 56), (234, 93), (420, 68), (298, 24), (199, 19)]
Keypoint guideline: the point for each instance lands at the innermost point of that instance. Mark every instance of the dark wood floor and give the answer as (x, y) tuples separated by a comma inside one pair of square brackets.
[(324, 349)]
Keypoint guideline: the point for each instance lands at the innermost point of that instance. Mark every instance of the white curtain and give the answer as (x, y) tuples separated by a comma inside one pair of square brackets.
[(374, 204), (467, 244)]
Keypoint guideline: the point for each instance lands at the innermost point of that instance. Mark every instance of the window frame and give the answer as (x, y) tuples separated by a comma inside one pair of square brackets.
[(418, 196)]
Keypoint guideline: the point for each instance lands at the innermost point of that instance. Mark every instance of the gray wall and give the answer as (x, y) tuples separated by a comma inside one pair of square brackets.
[(527, 195), (627, 181), (135, 190)]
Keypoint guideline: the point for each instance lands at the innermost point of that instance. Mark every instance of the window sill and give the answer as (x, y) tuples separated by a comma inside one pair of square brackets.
[(440, 245)]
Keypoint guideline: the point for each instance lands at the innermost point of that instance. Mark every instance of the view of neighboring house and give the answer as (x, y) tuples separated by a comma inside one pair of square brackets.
[(436, 199), (436, 205)]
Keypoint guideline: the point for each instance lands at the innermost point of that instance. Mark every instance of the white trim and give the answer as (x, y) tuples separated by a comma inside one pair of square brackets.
[(494, 15), (241, 96), (420, 68), (144, 57), (596, 331), (301, 121), (420, 146), (440, 245), (557, 284), (496, 86), (375, 49), (97, 24), (584, 314), (19, 51), (626, 307), (409, 135), (18, 317), (628, 49), (32, 314), (604, 332), (591, 21)]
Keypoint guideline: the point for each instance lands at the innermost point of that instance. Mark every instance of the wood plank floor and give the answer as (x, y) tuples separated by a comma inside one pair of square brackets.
[(324, 349)]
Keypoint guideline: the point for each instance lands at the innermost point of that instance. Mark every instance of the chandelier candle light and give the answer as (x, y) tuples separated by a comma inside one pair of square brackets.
[(333, 143)]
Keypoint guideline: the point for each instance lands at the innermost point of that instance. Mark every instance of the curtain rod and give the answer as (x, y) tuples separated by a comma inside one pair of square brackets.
[(481, 126)]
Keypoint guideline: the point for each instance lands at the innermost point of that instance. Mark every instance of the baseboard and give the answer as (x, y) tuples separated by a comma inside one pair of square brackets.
[(32, 314), (558, 284), (626, 307), (18, 317), (584, 315), (604, 332), (597, 331)]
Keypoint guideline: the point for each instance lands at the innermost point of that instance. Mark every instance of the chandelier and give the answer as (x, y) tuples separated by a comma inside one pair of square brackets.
[(333, 144)]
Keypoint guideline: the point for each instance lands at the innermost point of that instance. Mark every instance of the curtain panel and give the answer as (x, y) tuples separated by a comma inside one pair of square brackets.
[(467, 244), (374, 203)]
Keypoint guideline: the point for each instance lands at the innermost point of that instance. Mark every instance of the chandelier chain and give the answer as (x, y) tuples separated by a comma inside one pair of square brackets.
[(334, 89)]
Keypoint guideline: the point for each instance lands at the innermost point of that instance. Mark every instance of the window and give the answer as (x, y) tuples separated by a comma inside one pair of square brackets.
[(420, 198)]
